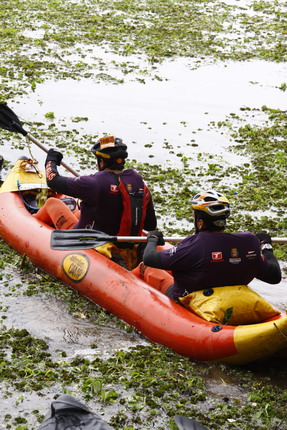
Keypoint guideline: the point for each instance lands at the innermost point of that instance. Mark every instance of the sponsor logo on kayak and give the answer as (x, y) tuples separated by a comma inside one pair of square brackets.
[(76, 266), (216, 256), (235, 259)]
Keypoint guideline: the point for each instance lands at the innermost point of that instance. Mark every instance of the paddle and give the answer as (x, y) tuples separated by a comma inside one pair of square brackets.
[(67, 240), (9, 121)]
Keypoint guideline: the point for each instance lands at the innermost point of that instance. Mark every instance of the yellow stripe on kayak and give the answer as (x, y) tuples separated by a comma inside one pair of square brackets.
[(258, 341)]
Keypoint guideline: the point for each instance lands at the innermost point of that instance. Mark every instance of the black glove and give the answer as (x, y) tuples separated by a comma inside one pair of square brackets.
[(264, 238), (155, 234), (54, 155)]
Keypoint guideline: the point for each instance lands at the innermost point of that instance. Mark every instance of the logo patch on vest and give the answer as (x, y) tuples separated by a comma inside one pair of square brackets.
[(76, 266), (114, 189), (251, 254), (129, 188), (235, 259), (216, 256)]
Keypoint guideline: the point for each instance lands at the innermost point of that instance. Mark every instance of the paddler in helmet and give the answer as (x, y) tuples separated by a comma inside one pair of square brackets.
[(210, 257), (114, 200)]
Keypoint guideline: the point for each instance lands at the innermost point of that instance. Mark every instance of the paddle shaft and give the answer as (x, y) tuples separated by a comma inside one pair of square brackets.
[(166, 239), (279, 239), (136, 239), (34, 140), (86, 239), (9, 121)]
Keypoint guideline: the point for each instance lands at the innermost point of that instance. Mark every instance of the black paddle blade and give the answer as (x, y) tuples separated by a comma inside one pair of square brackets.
[(184, 423), (9, 120), (68, 240)]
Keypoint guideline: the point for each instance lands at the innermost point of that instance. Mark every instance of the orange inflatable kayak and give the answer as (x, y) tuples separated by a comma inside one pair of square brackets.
[(120, 292)]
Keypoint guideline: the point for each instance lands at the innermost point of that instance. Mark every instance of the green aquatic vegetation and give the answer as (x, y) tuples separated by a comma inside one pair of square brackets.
[(263, 177), (62, 41), (50, 115), (79, 119), (94, 387), (8, 255)]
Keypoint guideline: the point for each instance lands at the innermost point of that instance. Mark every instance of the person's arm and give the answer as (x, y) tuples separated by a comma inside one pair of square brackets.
[(53, 179), (151, 256), (269, 269)]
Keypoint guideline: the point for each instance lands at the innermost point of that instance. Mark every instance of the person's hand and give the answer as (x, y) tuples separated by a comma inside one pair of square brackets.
[(155, 234), (54, 155), (264, 238)]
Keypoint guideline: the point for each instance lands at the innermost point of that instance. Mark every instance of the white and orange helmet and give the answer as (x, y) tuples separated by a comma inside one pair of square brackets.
[(211, 203)]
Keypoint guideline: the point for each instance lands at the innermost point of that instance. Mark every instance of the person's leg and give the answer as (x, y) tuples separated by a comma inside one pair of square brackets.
[(55, 212), (156, 278)]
